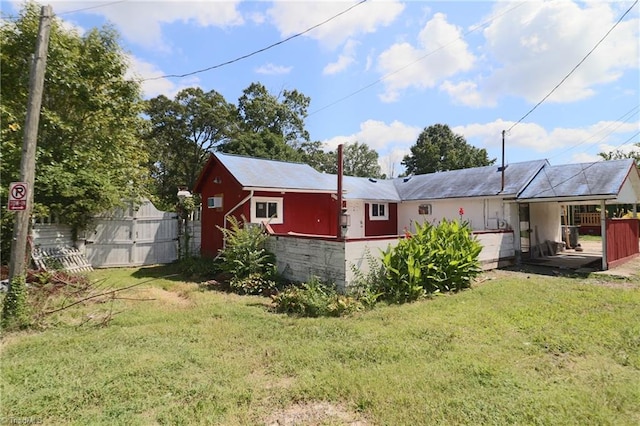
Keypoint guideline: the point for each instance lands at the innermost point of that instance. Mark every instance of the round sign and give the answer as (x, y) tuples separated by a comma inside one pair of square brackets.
[(19, 191)]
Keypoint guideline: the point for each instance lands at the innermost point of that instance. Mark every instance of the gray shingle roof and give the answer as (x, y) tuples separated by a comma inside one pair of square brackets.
[(475, 182), (603, 178)]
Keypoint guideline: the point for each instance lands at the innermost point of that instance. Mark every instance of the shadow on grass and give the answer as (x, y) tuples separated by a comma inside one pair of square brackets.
[(546, 270)]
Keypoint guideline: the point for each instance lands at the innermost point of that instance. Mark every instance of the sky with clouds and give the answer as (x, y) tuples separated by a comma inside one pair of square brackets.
[(378, 72)]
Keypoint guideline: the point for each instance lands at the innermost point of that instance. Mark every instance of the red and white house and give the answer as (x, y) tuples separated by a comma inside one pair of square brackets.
[(304, 210)]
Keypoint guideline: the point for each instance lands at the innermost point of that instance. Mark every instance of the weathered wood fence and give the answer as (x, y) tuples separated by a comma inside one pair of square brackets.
[(132, 236)]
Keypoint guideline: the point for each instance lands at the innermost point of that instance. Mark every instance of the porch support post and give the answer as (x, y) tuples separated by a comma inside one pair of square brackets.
[(516, 235), (634, 211), (603, 232)]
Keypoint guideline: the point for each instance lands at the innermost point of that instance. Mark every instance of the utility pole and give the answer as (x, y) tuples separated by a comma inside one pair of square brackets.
[(17, 266)]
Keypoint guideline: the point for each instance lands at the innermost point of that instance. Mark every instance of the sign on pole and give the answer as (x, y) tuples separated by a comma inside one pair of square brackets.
[(18, 192)]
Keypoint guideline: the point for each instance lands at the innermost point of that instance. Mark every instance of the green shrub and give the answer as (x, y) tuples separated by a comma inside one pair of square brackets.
[(435, 259), (254, 284), (315, 299), (245, 254), (15, 309)]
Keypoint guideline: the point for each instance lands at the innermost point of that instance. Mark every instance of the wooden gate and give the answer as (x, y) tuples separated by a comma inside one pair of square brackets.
[(137, 235)]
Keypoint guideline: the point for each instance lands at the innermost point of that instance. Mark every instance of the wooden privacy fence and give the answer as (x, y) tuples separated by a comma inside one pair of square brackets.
[(132, 236), (623, 240)]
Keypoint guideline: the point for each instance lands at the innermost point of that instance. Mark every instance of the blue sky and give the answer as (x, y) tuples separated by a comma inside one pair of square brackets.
[(384, 70)]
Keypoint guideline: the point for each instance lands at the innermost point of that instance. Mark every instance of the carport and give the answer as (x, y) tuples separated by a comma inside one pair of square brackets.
[(600, 183)]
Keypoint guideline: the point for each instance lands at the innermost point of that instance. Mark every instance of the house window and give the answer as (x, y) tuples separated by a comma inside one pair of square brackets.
[(214, 202), (424, 209), (378, 211), (266, 209)]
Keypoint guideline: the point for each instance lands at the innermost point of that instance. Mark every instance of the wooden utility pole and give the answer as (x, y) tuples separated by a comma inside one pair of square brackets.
[(18, 265)]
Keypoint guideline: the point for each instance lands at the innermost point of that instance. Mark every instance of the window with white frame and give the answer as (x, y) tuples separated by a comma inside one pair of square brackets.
[(214, 202), (425, 209), (378, 211), (266, 209)]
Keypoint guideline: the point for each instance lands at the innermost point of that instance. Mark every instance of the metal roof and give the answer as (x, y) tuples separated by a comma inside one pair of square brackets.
[(359, 188), (602, 178), (475, 182), (254, 172), (531, 180)]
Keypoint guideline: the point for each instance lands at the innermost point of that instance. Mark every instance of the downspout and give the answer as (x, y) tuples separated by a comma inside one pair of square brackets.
[(339, 210), (224, 221)]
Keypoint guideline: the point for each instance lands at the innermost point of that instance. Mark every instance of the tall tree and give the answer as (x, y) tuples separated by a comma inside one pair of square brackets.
[(263, 114), (439, 149), (619, 154), (183, 131), (89, 155), (358, 160)]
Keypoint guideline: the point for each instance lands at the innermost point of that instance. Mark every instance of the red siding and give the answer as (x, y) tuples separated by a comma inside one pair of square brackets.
[(306, 213), (303, 212), (232, 194), (374, 228), (622, 239)]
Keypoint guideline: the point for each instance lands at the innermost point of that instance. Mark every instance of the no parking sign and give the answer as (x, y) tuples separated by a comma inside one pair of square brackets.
[(18, 192)]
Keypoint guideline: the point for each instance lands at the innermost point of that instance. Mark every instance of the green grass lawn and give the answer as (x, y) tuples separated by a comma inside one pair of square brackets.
[(516, 349)]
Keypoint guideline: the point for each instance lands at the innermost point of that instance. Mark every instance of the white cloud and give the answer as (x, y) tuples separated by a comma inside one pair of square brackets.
[(534, 137), (391, 141), (141, 21), (537, 44), (439, 53), (346, 58), (139, 68), (73, 27), (379, 135), (271, 69), (294, 17), (466, 93)]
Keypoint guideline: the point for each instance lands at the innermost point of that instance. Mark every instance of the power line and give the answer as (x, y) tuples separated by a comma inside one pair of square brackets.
[(256, 51), (90, 7), (574, 68), (386, 76), (624, 118)]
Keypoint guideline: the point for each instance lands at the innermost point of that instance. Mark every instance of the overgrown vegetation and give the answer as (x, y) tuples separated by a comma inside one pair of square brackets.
[(316, 299), (250, 265), (437, 258)]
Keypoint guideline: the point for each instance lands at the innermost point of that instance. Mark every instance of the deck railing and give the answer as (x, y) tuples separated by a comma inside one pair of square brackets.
[(591, 219)]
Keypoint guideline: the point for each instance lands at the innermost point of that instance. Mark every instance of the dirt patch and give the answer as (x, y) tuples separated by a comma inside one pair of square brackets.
[(160, 295), (315, 414)]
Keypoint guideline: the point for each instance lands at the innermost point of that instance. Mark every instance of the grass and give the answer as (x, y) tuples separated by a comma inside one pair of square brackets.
[(517, 349)]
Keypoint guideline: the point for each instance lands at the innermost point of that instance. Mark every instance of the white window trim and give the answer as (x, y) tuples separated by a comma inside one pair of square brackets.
[(214, 202), (427, 207), (279, 210), (386, 211)]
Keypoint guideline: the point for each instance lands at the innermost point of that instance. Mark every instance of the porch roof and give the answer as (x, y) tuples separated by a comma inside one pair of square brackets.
[(600, 180)]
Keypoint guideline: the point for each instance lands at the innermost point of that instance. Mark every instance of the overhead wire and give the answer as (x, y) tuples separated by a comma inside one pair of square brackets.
[(386, 76), (624, 118), (574, 68), (255, 52), (90, 7)]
